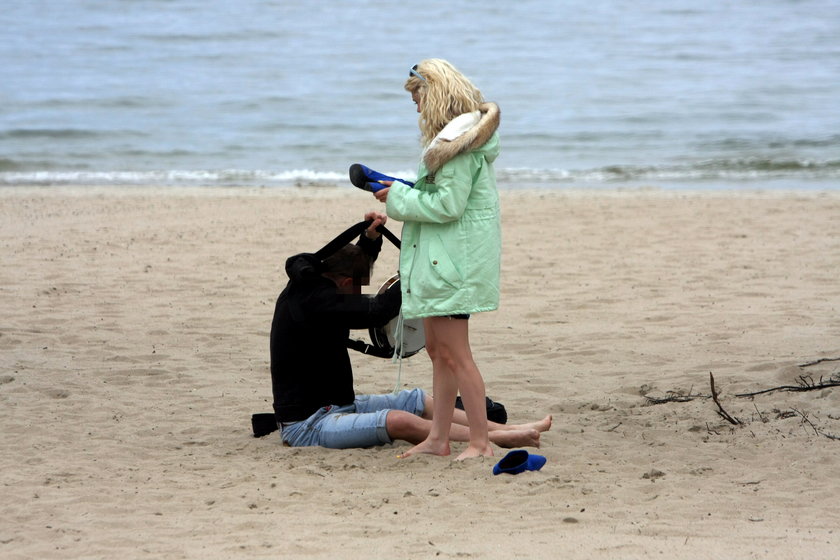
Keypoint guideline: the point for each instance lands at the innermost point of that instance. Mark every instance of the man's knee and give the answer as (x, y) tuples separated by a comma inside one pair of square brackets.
[(398, 420), (401, 424)]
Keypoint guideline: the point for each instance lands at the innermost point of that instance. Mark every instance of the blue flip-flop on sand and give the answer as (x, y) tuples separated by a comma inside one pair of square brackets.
[(518, 461)]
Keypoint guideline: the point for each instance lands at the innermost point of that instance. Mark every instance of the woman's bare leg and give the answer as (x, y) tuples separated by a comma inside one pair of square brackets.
[(445, 389), (447, 343)]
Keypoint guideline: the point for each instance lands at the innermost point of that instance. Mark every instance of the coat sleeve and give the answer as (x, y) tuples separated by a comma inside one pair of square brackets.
[(371, 247), (445, 203)]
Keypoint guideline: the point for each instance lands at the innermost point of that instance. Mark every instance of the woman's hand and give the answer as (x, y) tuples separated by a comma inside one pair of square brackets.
[(382, 194), (379, 219)]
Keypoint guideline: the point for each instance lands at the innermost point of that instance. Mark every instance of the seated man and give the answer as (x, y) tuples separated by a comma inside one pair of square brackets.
[(311, 374)]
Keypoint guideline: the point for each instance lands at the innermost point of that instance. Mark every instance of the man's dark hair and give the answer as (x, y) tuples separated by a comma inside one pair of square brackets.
[(350, 262)]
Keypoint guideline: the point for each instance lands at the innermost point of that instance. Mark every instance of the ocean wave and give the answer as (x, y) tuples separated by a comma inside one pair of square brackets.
[(729, 170), (738, 169), (49, 133), (762, 144), (227, 177), (9, 165)]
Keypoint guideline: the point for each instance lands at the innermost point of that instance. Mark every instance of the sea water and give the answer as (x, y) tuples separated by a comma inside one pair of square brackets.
[(665, 93)]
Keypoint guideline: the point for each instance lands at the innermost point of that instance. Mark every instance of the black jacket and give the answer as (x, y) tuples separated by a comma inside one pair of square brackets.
[(310, 366)]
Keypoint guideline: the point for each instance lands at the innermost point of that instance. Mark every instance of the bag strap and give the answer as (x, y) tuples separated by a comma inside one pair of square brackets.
[(365, 348), (350, 234), (390, 236)]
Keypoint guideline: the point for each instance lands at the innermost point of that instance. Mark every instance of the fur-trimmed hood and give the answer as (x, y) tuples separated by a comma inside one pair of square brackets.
[(464, 133)]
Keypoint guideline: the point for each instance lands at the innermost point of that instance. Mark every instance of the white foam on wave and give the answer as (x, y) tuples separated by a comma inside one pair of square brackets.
[(674, 175), (203, 177), (226, 177)]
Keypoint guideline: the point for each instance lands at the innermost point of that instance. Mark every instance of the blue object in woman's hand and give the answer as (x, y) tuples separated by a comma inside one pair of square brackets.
[(369, 180)]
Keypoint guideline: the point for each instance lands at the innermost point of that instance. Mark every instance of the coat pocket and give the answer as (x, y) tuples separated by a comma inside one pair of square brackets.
[(441, 263)]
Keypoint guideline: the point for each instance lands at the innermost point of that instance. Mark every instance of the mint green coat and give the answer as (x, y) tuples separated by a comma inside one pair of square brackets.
[(450, 258)]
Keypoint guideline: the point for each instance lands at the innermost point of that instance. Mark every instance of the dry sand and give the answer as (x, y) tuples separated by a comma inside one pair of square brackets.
[(134, 336)]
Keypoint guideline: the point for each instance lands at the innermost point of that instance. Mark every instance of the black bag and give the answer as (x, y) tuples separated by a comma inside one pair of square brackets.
[(495, 411), (263, 423)]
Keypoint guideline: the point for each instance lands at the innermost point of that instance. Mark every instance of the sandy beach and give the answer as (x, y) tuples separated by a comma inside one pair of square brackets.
[(134, 327)]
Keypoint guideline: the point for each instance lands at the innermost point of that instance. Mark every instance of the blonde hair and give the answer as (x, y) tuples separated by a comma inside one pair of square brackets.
[(446, 93)]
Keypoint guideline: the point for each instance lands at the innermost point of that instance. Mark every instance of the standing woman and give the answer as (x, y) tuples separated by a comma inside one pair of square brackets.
[(451, 241)]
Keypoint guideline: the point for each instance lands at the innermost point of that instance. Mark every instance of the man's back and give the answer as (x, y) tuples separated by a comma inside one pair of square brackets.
[(310, 365)]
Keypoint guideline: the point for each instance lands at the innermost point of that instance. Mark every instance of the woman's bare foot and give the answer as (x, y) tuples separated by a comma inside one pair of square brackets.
[(509, 439), (473, 452), (428, 448)]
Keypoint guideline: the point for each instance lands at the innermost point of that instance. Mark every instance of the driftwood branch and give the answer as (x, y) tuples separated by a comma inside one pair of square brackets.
[(821, 360), (761, 417), (721, 412), (807, 420), (806, 383), (675, 396)]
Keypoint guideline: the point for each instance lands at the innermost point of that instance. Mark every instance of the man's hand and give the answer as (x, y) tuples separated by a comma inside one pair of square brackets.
[(379, 219)]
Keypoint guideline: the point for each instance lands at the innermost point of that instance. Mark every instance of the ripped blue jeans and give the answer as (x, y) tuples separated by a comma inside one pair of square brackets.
[(361, 424)]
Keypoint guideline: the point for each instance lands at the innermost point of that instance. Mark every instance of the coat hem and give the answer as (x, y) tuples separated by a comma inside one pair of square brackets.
[(453, 312)]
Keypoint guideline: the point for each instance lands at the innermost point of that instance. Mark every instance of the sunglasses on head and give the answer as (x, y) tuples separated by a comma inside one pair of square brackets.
[(414, 72)]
